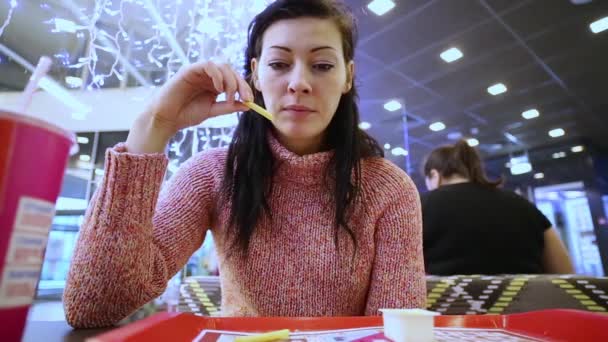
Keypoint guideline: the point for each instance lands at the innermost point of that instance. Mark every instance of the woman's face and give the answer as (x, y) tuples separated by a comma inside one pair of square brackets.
[(302, 75)]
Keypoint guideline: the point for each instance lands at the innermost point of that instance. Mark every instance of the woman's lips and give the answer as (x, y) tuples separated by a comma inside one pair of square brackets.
[(298, 110)]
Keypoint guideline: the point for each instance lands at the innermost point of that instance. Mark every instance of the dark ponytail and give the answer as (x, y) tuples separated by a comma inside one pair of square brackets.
[(461, 160)]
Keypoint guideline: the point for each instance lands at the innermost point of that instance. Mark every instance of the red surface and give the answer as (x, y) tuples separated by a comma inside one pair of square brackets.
[(551, 325), (564, 325), (33, 157), (6, 138)]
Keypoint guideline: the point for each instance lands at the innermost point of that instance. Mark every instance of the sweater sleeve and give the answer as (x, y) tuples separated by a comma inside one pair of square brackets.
[(129, 245), (398, 277)]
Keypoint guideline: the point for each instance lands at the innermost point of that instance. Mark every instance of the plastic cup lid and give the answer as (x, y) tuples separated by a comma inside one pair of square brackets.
[(409, 312)]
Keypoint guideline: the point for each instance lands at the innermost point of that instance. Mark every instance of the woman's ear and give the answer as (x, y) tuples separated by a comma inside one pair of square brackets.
[(350, 75), (254, 74), (436, 177)]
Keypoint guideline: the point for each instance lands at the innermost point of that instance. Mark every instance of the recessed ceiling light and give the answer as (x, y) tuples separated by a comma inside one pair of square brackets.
[(521, 168), (472, 142), (539, 175), (520, 164), (85, 157), (399, 151), (437, 126), (392, 105), (558, 132), (497, 89), (558, 155), (387, 146), (577, 149), (380, 7), (365, 125), (599, 25), (530, 114), (73, 82), (82, 140), (451, 55)]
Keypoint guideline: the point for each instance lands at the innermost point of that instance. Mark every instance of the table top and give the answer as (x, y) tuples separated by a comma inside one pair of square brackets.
[(46, 322), (57, 331), (544, 325)]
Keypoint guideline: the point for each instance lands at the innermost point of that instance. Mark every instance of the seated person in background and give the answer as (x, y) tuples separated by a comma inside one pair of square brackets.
[(473, 227)]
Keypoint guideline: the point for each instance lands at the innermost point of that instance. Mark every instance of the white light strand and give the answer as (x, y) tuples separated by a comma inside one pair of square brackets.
[(192, 140), (9, 16), (155, 40), (150, 40), (93, 57)]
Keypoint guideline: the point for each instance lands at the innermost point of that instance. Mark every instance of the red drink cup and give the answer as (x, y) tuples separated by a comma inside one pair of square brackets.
[(33, 159)]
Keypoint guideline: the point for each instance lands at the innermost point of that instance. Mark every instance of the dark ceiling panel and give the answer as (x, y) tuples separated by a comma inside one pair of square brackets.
[(386, 85), (376, 114), (485, 42), (545, 99), (501, 5), (439, 107), (365, 66), (467, 83), (416, 96), (521, 96), (372, 25), (549, 42), (440, 19), (457, 122), (539, 15)]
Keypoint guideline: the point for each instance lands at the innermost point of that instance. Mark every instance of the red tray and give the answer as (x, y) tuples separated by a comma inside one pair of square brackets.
[(546, 325)]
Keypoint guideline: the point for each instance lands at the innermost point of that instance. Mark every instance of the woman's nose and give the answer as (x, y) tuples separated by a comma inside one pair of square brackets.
[(299, 82)]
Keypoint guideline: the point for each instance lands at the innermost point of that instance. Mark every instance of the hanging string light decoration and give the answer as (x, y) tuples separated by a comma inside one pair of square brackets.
[(129, 43)]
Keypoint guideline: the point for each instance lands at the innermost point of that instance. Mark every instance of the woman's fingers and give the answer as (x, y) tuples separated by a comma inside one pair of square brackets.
[(230, 81), (224, 80), (201, 82), (245, 92), (225, 107), (217, 77)]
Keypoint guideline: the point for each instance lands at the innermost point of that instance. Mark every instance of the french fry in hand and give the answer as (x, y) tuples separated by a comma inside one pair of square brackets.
[(263, 112)]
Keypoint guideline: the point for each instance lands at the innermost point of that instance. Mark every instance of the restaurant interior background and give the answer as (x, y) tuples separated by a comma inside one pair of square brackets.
[(523, 80)]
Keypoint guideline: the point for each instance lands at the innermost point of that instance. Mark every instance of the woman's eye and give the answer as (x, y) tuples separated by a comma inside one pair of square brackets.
[(324, 66), (278, 65)]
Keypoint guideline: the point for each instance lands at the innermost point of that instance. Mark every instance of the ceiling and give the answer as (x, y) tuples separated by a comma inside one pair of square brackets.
[(542, 50)]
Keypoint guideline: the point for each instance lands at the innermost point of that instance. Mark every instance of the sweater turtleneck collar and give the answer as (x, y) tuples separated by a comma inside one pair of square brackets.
[(307, 169)]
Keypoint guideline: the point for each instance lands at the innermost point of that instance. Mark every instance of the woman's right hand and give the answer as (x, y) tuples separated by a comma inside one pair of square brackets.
[(187, 99)]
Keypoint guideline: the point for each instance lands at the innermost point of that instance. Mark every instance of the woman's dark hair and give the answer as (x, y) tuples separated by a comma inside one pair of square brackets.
[(459, 159), (250, 164)]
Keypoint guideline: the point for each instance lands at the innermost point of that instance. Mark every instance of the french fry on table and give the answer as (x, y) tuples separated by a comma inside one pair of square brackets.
[(266, 337)]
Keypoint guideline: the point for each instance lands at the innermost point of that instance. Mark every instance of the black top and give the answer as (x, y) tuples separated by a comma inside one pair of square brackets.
[(472, 229)]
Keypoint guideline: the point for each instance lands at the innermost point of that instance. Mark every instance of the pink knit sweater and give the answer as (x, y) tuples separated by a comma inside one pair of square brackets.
[(134, 240)]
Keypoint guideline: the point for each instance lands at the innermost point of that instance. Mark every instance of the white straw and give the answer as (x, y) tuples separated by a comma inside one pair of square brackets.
[(44, 64)]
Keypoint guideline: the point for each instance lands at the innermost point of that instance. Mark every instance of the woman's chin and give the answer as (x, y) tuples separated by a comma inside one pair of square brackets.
[(297, 132)]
